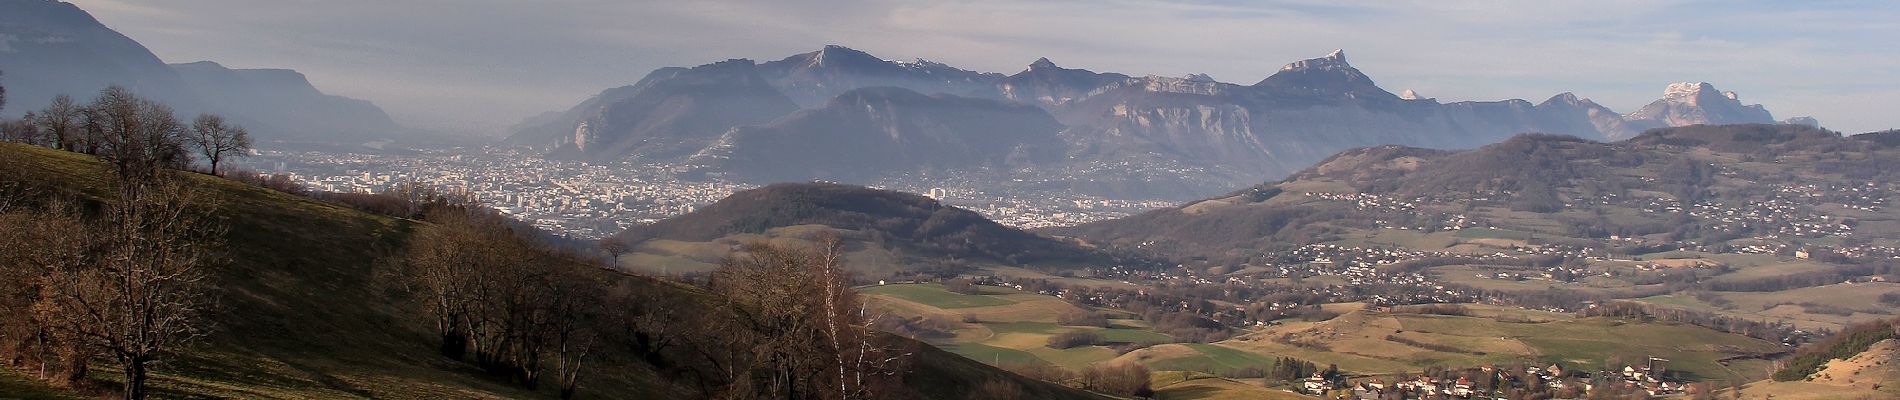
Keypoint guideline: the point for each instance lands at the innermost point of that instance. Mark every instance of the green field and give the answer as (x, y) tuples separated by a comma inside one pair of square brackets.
[(934, 295), (1012, 327), (1213, 358), (1200, 386), (994, 355)]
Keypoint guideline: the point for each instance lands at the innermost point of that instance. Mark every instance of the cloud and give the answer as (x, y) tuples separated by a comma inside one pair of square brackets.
[(483, 64)]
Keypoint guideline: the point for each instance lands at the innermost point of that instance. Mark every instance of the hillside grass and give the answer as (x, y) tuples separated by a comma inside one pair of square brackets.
[(1358, 342), (305, 313), (935, 295), (1173, 385), (1013, 328)]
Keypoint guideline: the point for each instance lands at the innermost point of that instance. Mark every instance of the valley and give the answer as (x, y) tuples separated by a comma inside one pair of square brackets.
[(691, 223)]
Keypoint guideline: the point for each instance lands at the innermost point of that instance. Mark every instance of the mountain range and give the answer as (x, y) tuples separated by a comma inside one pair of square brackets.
[(50, 48), (731, 117), (1695, 184)]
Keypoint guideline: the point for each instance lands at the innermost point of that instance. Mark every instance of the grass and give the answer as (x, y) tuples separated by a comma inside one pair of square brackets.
[(17, 385), (1213, 358), (994, 355), (1173, 385), (305, 314), (1126, 335), (935, 295), (1358, 342)]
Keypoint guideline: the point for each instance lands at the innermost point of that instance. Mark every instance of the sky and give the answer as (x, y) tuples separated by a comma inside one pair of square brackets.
[(478, 66)]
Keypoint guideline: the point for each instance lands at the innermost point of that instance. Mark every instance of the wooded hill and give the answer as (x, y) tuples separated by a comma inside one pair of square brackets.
[(311, 303), (913, 224), (1557, 187)]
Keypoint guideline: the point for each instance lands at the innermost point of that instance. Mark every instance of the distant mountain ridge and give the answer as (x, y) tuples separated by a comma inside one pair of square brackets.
[(1300, 114), (50, 48), (1556, 185)]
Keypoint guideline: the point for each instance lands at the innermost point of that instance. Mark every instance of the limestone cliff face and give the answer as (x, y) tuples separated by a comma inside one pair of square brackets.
[(1302, 113), (867, 133), (1696, 103), (667, 116)]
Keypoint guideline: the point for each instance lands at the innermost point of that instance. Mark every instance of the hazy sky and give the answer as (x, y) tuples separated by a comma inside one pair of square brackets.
[(479, 65)]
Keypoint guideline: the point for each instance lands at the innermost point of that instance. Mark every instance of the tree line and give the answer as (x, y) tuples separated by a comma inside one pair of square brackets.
[(1851, 341), (122, 278), (96, 127), (773, 321)]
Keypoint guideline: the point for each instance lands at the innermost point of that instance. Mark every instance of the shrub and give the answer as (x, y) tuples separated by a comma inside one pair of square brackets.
[(1068, 340), (1083, 319)]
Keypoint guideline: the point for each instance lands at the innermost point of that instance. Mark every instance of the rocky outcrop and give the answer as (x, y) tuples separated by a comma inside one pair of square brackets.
[(864, 134)]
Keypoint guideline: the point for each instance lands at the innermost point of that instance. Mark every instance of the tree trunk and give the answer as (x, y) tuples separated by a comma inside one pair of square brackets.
[(135, 379), (567, 392), (74, 367), (454, 345)]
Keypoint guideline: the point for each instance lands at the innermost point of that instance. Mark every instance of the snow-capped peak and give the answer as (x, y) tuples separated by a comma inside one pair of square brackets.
[(1686, 90), (1408, 94), (1332, 61)]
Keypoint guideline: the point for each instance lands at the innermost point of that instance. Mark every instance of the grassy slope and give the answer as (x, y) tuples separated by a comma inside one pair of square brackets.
[(1868, 375), (303, 316), (1199, 386), (1357, 343)]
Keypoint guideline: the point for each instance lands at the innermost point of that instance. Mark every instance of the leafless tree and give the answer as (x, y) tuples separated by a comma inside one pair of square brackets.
[(140, 137), (574, 325), (39, 241), (61, 123), (217, 140), (24, 130), (146, 293), (810, 336), (614, 248)]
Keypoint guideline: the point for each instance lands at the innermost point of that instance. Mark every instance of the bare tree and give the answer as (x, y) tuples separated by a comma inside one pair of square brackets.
[(574, 325), (41, 241), (810, 338), (217, 140), (146, 293), (61, 121), (614, 248), (24, 130), (140, 137)]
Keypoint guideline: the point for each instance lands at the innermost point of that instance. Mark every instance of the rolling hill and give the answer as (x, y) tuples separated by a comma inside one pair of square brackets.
[(885, 229), (304, 313), (1705, 184)]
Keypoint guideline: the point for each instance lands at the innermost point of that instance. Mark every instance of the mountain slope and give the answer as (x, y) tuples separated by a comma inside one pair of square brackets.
[(1553, 185), (285, 102), (49, 48), (1196, 128), (1694, 103), (304, 314), (878, 218), (863, 134), (810, 79), (670, 114)]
